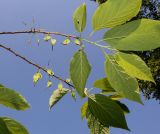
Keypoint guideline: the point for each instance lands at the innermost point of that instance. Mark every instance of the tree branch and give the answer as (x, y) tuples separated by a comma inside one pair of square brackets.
[(33, 64), (40, 31)]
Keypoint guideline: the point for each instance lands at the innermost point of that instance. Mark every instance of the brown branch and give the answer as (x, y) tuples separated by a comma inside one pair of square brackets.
[(33, 64), (40, 31)]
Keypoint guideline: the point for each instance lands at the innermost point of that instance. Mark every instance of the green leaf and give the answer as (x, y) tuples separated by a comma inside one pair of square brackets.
[(134, 66), (79, 18), (138, 35), (84, 110), (36, 77), (13, 126), (47, 38), (123, 107), (3, 127), (107, 111), (57, 96), (79, 71), (124, 84), (115, 96), (12, 99), (104, 85), (115, 12), (66, 41), (95, 126)]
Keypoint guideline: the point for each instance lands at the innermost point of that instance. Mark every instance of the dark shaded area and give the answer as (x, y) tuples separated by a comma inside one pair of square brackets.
[(152, 59), (99, 1), (150, 9)]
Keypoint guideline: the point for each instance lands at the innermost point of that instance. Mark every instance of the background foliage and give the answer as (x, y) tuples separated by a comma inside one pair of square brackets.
[(150, 9)]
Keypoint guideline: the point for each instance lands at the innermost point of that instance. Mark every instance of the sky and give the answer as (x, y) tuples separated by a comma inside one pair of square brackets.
[(64, 118)]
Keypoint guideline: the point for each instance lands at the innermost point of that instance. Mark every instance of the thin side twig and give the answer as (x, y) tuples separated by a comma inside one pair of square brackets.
[(40, 31), (34, 64)]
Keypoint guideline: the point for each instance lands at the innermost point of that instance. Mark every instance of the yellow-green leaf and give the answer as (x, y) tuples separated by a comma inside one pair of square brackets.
[(12, 99), (13, 126), (134, 66), (104, 85), (115, 97), (79, 18), (84, 110), (125, 85), (79, 71), (115, 12), (138, 35)]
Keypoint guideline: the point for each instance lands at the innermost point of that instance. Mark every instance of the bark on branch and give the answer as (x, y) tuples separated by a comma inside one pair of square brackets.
[(34, 64), (40, 31)]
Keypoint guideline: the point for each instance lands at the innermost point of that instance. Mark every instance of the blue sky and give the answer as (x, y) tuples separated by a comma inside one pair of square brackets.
[(55, 15)]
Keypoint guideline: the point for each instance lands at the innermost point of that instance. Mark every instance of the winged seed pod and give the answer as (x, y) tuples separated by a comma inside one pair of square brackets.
[(49, 84), (73, 95), (37, 76), (68, 80), (47, 38), (50, 72), (77, 42), (53, 42), (60, 86), (66, 41)]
